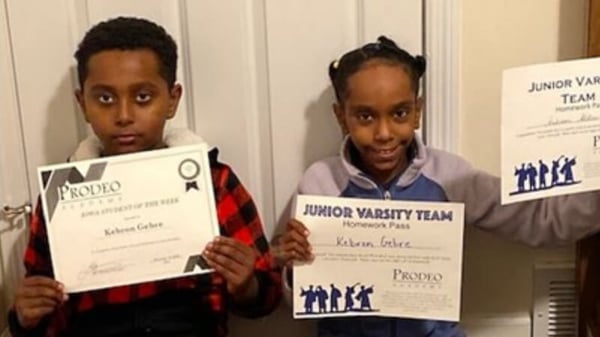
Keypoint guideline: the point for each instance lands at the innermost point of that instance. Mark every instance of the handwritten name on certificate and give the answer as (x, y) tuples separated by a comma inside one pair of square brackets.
[(550, 130), (130, 218), (380, 258)]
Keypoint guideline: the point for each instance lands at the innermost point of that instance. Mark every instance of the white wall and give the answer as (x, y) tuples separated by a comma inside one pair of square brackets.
[(497, 35)]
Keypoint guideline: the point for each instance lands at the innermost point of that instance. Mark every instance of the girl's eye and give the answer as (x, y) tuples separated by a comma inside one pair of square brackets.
[(143, 97), (106, 99), (401, 113)]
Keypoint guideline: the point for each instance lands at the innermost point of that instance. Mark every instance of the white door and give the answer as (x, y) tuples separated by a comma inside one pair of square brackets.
[(14, 186), (255, 84)]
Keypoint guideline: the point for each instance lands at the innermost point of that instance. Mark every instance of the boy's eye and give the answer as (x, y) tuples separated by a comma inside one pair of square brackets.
[(364, 116), (143, 97), (106, 98)]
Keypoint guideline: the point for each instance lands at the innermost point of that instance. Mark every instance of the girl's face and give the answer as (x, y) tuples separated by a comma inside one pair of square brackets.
[(380, 113)]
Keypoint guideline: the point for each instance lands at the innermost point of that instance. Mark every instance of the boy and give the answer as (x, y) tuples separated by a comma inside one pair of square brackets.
[(126, 69)]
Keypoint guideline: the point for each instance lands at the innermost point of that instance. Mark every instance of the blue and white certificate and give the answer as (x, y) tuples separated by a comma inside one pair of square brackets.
[(380, 258), (550, 130), (130, 218)]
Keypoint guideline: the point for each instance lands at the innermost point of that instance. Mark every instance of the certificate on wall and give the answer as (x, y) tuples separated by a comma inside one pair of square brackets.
[(130, 218), (550, 130), (380, 258)]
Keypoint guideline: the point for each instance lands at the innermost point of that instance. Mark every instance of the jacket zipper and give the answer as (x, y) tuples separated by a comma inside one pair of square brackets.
[(387, 195)]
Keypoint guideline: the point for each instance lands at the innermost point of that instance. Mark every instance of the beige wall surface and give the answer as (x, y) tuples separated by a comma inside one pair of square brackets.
[(496, 35)]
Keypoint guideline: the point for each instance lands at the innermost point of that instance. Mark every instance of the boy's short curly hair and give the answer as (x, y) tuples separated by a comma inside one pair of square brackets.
[(128, 33)]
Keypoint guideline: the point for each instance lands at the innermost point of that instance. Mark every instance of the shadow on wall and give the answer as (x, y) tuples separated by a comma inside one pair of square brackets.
[(483, 250), (572, 23), (64, 116), (323, 135)]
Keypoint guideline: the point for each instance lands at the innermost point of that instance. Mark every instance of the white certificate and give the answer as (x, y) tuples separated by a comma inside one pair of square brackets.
[(130, 218), (380, 258), (550, 130)]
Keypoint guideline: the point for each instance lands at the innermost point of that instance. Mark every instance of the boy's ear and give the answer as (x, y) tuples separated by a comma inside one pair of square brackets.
[(81, 101), (338, 110), (175, 95), (419, 112)]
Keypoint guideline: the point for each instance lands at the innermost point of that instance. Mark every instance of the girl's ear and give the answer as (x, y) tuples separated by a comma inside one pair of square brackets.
[(338, 110), (418, 112)]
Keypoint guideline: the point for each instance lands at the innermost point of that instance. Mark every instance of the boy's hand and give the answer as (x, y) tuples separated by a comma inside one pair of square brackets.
[(235, 262), (293, 244), (36, 297)]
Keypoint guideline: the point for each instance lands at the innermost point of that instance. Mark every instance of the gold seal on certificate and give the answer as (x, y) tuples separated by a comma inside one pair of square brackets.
[(131, 218), (380, 258)]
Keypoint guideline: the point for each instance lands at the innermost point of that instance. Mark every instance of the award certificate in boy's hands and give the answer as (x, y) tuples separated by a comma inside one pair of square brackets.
[(130, 218)]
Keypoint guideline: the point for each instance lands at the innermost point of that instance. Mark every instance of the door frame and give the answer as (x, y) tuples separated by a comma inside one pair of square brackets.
[(442, 87)]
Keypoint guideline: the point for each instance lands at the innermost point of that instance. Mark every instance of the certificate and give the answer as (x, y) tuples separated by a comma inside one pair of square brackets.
[(550, 130), (130, 218), (379, 258)]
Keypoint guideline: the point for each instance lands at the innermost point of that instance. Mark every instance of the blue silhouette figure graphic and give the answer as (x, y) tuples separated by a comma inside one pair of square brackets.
[(543, 171), (521, 174), (309, 298), (531, 178), (531, 175), (322, 299), (333, 298), (555, 165), (567, 170), (363, 297), (348, 297)]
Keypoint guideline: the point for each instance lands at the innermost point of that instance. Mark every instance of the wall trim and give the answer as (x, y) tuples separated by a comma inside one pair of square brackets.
[(79, 22), (186, 64), (442, 50)]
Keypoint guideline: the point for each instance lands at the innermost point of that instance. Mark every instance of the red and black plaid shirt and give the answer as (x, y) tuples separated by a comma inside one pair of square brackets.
[(238, 218)]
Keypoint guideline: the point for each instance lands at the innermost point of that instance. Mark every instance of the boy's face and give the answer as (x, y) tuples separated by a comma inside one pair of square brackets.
[(126, 101), (380, 113)]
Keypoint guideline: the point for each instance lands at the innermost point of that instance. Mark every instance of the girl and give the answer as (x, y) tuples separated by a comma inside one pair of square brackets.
[(378, 109)]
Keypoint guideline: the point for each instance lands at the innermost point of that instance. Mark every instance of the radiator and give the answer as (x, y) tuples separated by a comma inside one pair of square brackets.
[(554, 300)]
